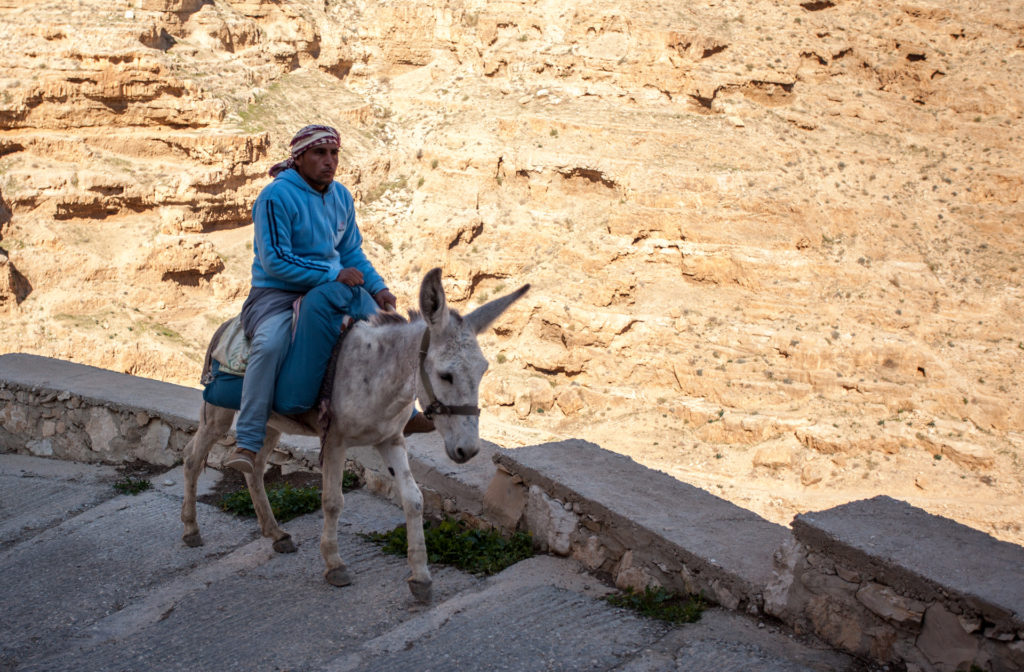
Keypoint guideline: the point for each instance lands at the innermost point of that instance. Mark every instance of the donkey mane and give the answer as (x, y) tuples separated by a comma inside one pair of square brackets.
[(383, 318)]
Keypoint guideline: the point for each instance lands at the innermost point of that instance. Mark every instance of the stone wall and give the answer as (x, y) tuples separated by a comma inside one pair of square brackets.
[(892, 583), (43, 417), (878, 578), (641, 527)]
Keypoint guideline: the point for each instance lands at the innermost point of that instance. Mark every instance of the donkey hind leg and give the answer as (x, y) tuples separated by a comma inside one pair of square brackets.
[(412, 503), (332, 500), (258, 493), (214, 422)]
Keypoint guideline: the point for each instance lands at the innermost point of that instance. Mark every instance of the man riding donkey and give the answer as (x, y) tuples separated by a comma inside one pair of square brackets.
[(307, 256)]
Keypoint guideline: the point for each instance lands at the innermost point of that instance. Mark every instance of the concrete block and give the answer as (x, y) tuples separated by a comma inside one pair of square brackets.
[(654, 514), (921, 556)]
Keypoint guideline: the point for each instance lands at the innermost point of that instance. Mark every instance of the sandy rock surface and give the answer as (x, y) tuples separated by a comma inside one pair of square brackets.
[(775, 249)]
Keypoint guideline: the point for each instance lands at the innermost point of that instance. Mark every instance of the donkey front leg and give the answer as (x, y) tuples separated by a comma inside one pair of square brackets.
[(257, 491), (214, 422), (412, 503), (332, 500)]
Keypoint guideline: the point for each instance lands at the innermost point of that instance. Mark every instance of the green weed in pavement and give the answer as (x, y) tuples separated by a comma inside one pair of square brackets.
[(132, 486), (452, 542), (661, 604)]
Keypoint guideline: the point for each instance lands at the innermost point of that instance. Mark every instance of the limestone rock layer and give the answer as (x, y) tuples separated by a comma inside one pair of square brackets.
[(775, 249)]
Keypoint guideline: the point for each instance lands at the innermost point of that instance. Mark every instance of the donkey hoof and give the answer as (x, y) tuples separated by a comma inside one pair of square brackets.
[(421, 590), (193, 540), (285, 545), (338, 576)]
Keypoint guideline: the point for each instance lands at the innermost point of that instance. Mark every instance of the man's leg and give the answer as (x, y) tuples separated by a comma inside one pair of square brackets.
[(269, 347), (320, 317)]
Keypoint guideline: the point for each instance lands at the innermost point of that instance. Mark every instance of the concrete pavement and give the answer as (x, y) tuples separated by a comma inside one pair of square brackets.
[(95, 580)]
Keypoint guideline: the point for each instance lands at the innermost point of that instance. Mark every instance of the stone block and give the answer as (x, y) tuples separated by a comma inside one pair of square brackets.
[(41, 447), (828, 584), (838, 622), (944, 642), (1007, 657), (997, 633), (630, 576), (721, 594), (970, 622), (433, 502), (592, 554), (505, 500), (14, 418), (102, 429), (847, 574), (549, 522), (885, 602), (382, 485), (777, 592), (153, 445)]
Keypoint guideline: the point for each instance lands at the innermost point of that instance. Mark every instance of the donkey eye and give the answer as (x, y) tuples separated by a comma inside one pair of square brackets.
[(446, 377)]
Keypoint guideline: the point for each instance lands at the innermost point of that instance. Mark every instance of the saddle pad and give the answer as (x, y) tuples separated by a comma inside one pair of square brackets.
[(232, 352)]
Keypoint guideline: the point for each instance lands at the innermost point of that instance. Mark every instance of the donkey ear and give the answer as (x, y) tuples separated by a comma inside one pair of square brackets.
[(482, 317), (433, 304)]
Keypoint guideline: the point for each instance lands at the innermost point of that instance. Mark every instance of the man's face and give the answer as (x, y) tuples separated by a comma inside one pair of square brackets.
[(317, 165)]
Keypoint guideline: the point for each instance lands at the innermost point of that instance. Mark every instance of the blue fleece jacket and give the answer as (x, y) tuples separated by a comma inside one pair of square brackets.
[(303, 238)]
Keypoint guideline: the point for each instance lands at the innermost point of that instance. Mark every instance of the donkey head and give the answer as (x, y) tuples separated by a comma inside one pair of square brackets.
[(451, 365)]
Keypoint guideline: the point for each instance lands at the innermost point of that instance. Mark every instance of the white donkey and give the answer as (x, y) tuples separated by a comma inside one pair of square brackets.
[(382, 367)]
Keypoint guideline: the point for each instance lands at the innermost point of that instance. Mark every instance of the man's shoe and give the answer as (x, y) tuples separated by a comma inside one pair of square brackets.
[(418, 424), (240, 460)]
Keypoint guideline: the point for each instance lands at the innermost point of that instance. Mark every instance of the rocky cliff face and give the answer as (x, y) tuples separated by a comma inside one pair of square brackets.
[(775, 249)]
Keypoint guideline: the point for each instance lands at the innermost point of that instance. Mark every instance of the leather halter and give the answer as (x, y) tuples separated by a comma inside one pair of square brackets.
[(437, 407)]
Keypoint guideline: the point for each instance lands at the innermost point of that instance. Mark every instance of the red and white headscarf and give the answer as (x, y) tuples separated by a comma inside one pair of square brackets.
[(308, 136)]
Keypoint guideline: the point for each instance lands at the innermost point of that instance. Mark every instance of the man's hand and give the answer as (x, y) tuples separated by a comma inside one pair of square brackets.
[(350, 277), (385, 299)]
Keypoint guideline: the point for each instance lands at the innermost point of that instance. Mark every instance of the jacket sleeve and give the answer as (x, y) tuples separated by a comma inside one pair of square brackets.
[(273, 232), (350, 249)]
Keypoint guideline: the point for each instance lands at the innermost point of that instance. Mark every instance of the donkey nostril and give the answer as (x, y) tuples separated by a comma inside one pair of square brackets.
[(460, 453)]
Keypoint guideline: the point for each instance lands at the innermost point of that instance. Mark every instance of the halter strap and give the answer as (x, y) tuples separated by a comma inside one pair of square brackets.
[(437, 407)]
